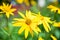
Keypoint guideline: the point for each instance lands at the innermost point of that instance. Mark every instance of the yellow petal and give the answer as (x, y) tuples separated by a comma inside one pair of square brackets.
[(54, 38), (12, 10), (57, 24), (21, 30), (4, 5), (35, 31), (40, 38), (10, 6), (7, 14), (26, 32), (58, 11), (50, 6), (33, 27), (38, 29), (17, 23), (48, 20), (12, 14), (21, 14), (28, 14), (46, 26), (19, 19)]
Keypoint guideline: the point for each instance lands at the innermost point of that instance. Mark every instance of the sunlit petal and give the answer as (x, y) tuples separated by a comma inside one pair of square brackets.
[(54, 38), (21, 14)]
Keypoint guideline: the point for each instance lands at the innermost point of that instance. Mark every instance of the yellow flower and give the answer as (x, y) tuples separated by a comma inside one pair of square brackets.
[(57, 24), (27, 23), (40, 38), (7, 9), (20, 1), (33, 2), (54, 38), (53, 8), (27, 2), (45, 21)]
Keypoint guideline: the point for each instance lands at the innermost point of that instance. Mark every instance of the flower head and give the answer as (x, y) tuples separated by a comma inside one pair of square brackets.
[(7, 9), (53, 8), (27, 23), (45, 21)]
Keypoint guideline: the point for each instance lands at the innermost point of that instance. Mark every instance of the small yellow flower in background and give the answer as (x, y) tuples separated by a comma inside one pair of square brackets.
[(56, 24), (33, 2), (7, 9), (27, 2), (20, 1), (54, 38), (45, 21), (40, 38), (53, 8), (27, 23)]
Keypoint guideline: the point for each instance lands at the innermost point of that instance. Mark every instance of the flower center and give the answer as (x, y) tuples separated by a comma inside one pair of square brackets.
[(28, 22), (6, 9)]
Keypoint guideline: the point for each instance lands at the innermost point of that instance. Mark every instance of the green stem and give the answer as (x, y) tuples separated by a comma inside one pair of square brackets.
[(4, 31), (55, 15), (7, 22)]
